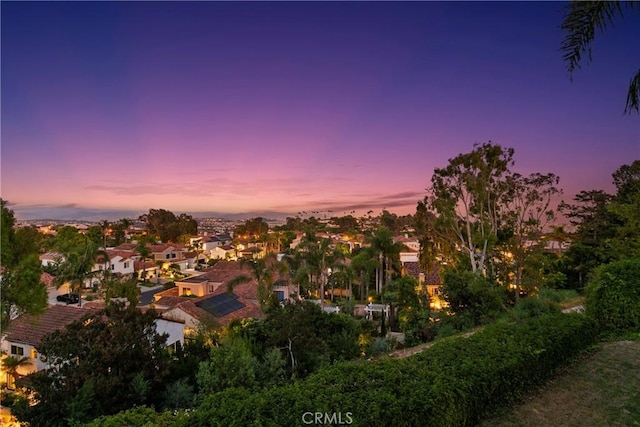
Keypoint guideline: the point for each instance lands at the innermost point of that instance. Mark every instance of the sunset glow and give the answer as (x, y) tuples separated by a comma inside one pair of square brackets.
[(289, 106)]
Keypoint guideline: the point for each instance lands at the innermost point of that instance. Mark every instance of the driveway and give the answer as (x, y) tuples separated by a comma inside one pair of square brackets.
[(146, 297), (52, 293)]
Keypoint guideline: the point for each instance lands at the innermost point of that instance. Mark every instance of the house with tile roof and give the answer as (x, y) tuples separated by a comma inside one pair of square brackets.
[(224, 252), (51, 258), (120, 262), (213, 278), (26, 332), (214, 310)]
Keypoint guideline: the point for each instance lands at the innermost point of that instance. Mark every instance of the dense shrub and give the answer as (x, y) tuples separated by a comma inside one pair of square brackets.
[(613, 296), (473, 298), (454, 383), (141, 416), (533, 307)]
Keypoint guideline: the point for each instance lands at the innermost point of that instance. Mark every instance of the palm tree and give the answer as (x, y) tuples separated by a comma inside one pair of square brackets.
[(318, 257), (366, 263), (267, 271), (145, 254), (388, 251), (11, 364), (77, 268), (581, 21), (104, 225)]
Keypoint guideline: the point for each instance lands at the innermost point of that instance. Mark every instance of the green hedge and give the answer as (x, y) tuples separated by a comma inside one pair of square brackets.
[(613, 296), (454, 383)]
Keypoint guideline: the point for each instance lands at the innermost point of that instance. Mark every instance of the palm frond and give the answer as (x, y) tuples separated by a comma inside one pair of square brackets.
[(238, 280), (633, 96), (581, 22)]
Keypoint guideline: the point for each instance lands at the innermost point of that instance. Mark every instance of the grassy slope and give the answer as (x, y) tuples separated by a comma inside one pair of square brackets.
[(603, 389)]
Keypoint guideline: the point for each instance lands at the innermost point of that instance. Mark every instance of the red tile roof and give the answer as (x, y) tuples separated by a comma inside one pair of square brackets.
[(125, 247), (47, 279), (29, 329)]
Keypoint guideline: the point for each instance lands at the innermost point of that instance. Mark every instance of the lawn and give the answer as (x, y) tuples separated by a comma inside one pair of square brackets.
[(601, 389)]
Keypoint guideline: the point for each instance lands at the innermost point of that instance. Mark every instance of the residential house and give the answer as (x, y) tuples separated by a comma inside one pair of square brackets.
[(413, 243), (120, 262), (213, 310), (215, 277), (227, 252), (51, 258), (26, 332), (252, 252)]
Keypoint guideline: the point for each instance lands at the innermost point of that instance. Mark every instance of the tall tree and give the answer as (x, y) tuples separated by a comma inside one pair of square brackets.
[(580, 23), (318, 256), (167, 226), (105, 226), (21, 290), (364, 264), (527, 213), (388, 251), (145, 254), (466, 197)]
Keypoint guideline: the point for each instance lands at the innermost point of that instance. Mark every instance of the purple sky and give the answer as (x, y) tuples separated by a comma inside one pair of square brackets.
[(252, 107)]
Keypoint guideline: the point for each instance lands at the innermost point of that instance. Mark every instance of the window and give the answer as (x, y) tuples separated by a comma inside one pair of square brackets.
[(167, 256), (173, 255), (113, 266), (17, 350), (186, 291), (126, 265), (33, 353)]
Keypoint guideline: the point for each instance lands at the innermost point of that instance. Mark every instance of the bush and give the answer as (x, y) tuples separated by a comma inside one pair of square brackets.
[(613, 296), (445, 331), (533, 307), (557, 295), (473, 298), (453, 383)]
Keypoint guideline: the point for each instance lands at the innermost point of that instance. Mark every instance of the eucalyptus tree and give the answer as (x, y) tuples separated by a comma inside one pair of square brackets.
[(580, 23), (466, 197), (527, 212)]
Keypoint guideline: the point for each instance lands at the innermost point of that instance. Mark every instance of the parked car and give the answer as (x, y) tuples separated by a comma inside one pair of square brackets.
[(69, 298)]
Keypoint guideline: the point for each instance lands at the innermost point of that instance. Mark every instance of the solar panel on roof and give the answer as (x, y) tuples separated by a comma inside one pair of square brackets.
[(221, 305)]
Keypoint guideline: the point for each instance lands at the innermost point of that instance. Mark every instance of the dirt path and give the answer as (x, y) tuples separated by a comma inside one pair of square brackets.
[(406, 352)]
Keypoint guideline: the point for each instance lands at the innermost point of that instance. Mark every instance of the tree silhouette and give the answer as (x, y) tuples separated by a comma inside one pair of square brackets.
[(580, 23)]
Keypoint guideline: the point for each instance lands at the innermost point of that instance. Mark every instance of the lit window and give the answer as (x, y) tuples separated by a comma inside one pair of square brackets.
[(33, 353)]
